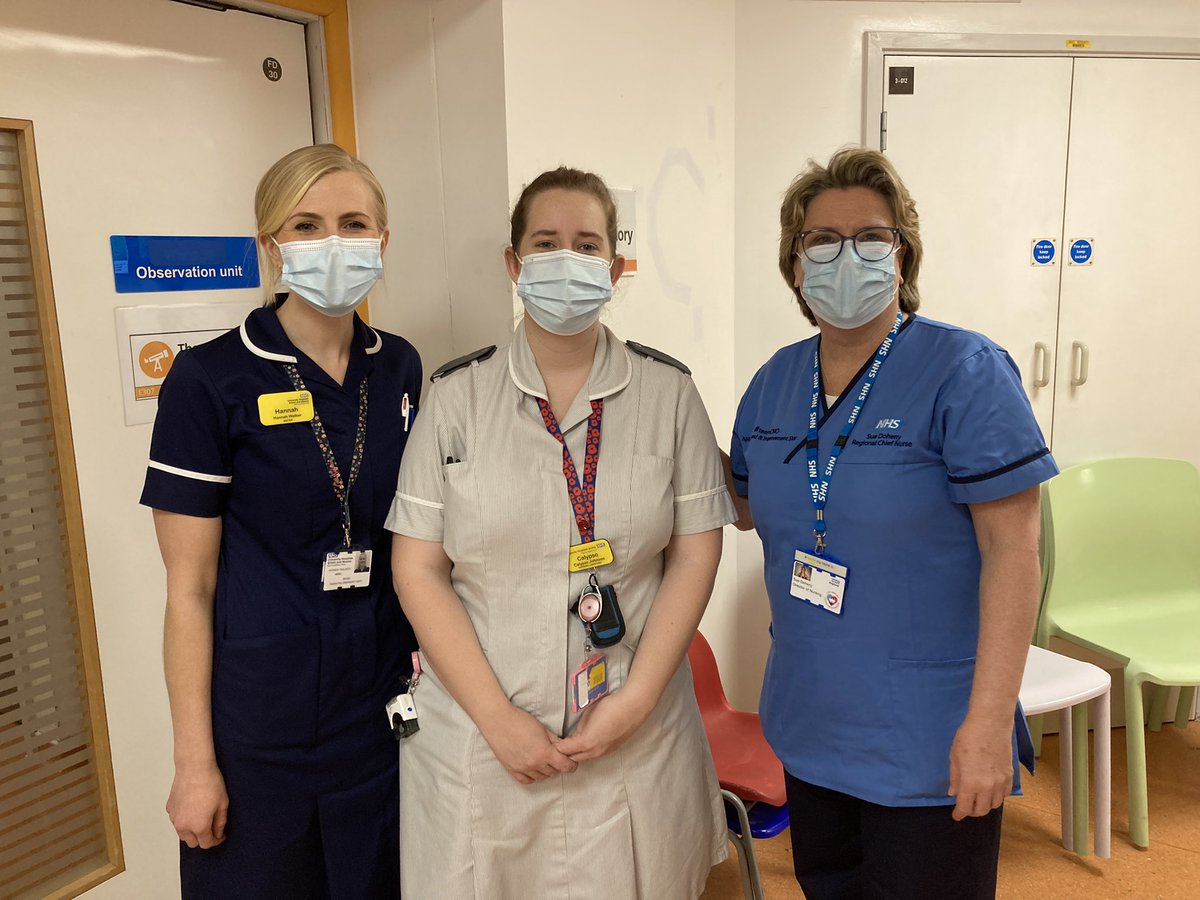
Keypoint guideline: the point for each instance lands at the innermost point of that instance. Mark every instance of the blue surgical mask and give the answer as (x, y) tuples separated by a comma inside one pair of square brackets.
[(849, 291), (564, 291), (333, 275)]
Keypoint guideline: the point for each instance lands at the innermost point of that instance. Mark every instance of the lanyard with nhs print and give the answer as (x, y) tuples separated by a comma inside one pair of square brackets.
[(820, 486)]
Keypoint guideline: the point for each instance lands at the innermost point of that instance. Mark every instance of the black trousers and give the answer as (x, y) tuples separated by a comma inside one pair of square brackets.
[(844, 848), (343, 845)]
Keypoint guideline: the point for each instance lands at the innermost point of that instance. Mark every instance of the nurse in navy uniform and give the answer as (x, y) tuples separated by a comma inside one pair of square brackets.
[(272, 466)]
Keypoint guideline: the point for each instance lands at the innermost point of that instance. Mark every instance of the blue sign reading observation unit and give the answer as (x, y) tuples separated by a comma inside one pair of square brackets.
[(149, 263)]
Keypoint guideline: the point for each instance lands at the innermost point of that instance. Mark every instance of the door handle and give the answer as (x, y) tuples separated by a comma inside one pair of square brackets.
[(1041, 364), (1079, 363)]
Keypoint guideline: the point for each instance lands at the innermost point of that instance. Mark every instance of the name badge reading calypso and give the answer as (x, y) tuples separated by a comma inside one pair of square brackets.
[(591, 555)]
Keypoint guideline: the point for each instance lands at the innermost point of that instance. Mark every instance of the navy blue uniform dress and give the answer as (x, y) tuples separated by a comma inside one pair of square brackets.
[(300, 675)]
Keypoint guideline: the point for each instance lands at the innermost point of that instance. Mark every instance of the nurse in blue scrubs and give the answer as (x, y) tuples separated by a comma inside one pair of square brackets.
[(272, 467), (891, 467)]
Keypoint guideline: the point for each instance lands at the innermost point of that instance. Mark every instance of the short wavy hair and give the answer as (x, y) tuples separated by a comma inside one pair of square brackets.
[(852, 167)]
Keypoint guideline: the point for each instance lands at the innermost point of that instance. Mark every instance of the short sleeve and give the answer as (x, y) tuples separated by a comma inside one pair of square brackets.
[(190, 467), (417, 508), (737, 448), (702, 500), (991, 443)]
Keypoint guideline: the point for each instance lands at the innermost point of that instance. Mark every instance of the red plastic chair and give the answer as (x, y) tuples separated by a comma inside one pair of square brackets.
[(747, 768)]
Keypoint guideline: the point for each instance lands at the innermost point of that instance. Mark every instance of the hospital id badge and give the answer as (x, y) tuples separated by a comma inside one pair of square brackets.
[(821, 582), (285, 407), (591, 555), (590, 682), (346, 569)]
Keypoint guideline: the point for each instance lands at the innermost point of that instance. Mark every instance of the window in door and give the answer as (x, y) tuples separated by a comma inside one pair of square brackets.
[(59, 832)]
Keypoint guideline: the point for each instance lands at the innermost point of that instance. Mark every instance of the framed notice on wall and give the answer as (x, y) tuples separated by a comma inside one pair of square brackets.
[(150, 337)]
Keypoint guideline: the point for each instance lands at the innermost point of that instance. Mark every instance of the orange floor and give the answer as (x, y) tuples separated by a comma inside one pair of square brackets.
[(1033, 863)]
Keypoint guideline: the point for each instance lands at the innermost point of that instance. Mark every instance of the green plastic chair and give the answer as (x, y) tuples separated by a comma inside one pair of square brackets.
[(1121, 542)]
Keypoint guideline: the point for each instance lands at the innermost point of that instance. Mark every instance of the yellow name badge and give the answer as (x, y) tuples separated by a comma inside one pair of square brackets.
[(591, 555), (284, 407)]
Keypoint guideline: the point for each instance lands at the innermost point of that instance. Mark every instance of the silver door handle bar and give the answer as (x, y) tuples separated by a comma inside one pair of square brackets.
[(1041, 364), (1079, 360)]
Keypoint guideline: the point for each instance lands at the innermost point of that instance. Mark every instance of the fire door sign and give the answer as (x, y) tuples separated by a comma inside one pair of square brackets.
[(1042, 252)]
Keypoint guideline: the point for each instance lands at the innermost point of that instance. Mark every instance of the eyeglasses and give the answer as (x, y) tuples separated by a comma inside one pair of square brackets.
[(824, 245)]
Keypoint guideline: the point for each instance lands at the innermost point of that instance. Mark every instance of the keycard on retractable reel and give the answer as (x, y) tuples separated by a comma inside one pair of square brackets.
[(609, 627)]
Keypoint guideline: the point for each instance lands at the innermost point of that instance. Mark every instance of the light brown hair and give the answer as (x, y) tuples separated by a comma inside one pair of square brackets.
[(852, 167), (565, 179)]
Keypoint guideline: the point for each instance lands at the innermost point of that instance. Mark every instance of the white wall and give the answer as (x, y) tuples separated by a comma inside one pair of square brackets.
[(429, 100), (395, 104), (469, 48), (799, 73)]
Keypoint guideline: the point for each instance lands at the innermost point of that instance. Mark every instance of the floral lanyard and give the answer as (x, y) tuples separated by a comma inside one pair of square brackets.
[(341, 489), (583, 495)]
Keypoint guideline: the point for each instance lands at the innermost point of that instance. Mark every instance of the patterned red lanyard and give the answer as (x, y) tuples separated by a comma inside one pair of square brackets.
[(583, 496), (341, 489)]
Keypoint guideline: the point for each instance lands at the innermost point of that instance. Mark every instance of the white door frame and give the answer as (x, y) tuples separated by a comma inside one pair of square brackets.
[(878, 44)]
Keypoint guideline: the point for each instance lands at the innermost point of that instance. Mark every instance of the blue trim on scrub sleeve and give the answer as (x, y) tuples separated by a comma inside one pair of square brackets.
[(191, 432), (991, 443), (737, 456), (738, 467)]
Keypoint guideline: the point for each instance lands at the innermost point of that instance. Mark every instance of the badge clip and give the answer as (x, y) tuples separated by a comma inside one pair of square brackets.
[(401, 709), (600, 613)]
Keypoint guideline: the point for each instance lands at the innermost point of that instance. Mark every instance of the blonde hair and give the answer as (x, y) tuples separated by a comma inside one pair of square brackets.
[(284, 186), (852, 167)]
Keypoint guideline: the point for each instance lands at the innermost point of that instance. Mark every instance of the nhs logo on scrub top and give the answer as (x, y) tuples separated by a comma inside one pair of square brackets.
[(890, 424)]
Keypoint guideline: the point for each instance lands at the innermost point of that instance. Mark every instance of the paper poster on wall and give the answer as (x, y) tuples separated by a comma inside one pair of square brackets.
[(150, 337), (626, 200)]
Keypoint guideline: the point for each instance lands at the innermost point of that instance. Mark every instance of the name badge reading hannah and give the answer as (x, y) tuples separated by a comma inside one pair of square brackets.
[(819, 581), (347, 569), (285, 407), (591, 555)]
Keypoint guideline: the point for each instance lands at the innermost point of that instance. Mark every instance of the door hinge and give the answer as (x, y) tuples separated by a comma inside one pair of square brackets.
[(883, 130)]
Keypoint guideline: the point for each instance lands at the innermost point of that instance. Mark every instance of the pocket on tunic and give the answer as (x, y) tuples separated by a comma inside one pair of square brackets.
[(929, 702), (461, 538), (264, 691), (652, 504)]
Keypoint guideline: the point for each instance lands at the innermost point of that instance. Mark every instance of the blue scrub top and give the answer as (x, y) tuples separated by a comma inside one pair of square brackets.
[(868, 702), (300, 675)]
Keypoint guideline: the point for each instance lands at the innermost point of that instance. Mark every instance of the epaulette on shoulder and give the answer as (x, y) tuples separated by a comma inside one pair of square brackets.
[(651, 353), (462, 362)]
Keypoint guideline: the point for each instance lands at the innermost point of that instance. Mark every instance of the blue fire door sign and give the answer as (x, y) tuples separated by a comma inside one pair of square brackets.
[(155, 263), (1081, 252), (1043, 252)]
